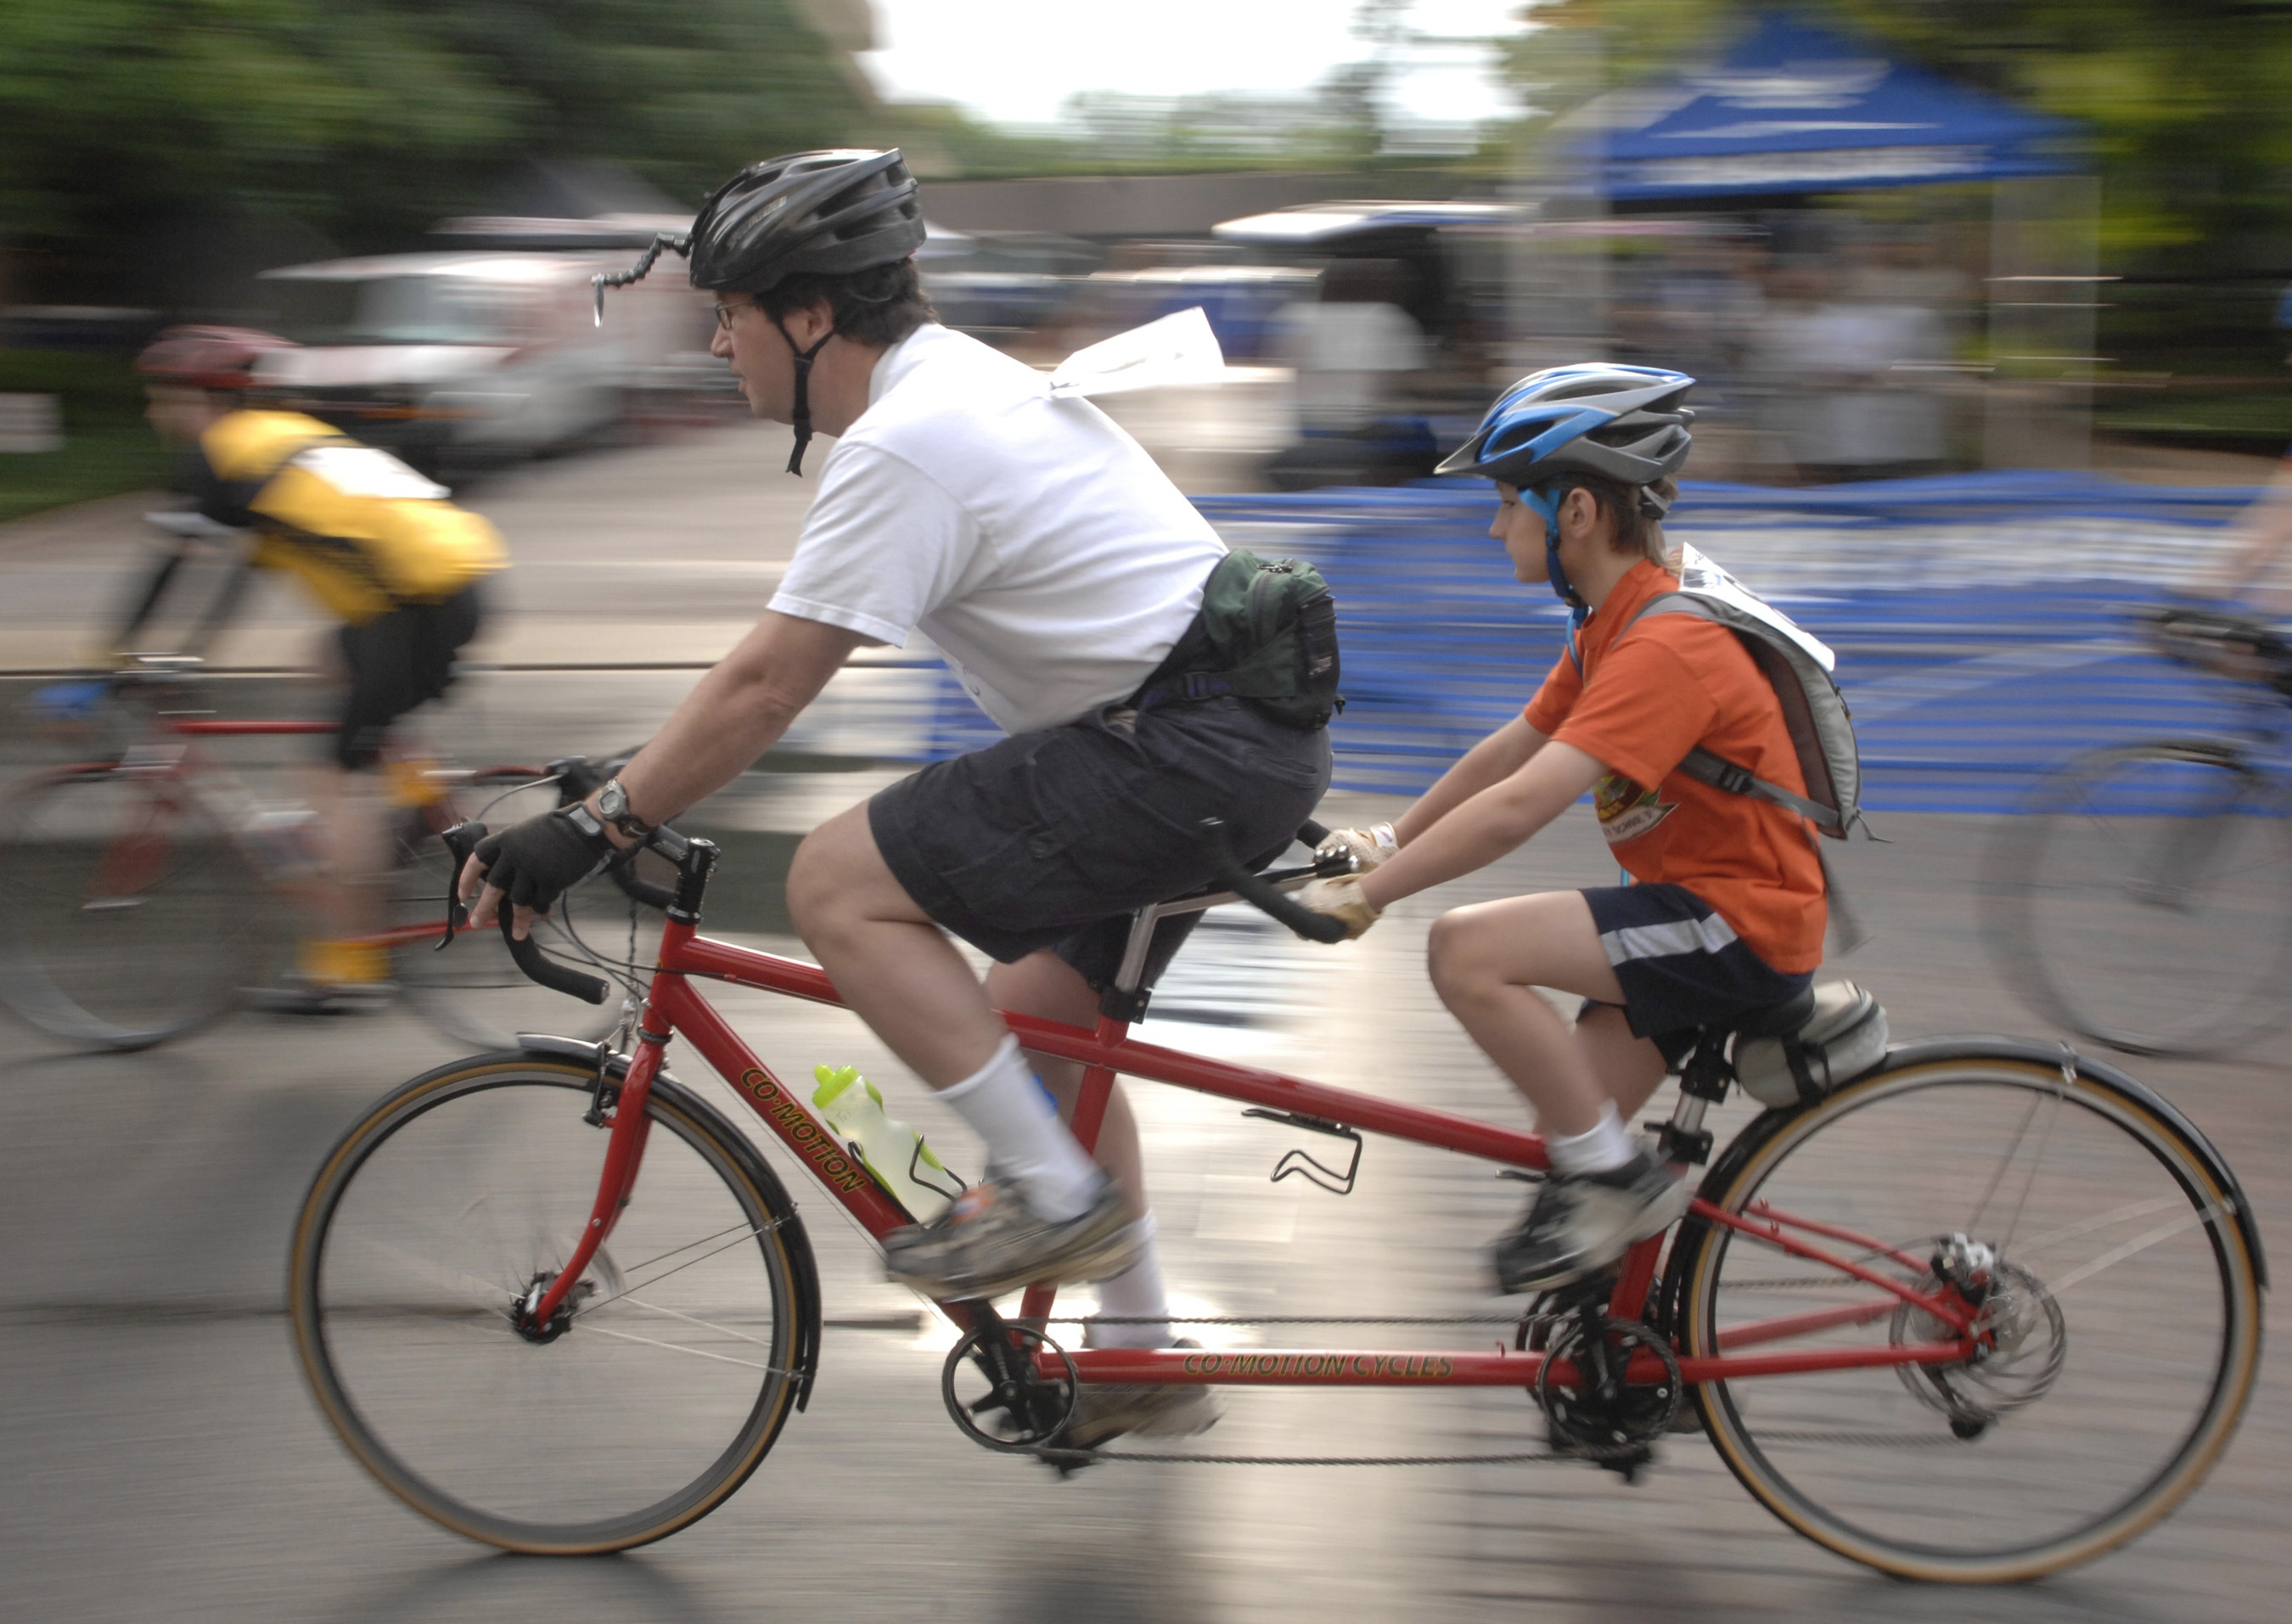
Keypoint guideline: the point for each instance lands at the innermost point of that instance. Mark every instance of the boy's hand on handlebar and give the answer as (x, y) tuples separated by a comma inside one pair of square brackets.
[(531, 864), (1341, 899), (1366, 848)]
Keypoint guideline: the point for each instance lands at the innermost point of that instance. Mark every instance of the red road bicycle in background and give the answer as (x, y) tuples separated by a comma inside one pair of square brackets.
[(135, 886), (1981, 1313)]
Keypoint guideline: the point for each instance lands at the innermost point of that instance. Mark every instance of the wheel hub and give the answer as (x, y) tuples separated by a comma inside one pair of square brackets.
[(2020, 1338)]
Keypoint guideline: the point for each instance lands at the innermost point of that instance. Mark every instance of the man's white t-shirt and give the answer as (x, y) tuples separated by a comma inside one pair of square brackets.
[(1027, 537)]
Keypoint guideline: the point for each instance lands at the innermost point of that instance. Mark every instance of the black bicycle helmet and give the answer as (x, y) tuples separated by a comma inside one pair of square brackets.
[(828, 213)]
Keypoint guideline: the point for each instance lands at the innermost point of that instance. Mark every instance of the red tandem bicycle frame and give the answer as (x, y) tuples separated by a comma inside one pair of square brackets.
[(674, 1005)]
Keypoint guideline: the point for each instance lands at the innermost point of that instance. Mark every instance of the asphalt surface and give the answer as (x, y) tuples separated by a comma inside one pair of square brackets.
[(160, 1459)]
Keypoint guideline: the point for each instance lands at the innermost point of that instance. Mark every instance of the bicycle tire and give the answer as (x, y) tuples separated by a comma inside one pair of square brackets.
[(2137, 1296), (2142, 898), (128, 916), (473, 991), (552, 1447)]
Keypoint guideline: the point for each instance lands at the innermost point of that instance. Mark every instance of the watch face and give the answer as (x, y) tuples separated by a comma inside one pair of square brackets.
[(613, 801)]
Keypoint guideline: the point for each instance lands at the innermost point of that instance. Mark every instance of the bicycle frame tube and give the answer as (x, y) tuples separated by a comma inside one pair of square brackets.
[(675, 1005)]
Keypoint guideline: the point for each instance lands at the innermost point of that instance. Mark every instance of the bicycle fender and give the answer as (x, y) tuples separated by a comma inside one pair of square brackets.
[(777, 1200), (1978, 1046)]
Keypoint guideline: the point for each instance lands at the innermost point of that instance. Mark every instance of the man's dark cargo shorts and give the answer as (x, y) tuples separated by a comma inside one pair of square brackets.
[(1050, 839)]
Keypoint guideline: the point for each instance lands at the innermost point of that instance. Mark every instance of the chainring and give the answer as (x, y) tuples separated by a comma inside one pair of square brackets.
[(1033, 1410), (1616, 1427)]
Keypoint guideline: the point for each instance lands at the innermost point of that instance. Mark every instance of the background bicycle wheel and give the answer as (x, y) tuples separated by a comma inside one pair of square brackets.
[(2144, 899), (128, 914)]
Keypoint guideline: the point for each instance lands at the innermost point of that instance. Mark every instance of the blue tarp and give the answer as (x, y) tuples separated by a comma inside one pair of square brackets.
[(1981, 621), (1795, 108)]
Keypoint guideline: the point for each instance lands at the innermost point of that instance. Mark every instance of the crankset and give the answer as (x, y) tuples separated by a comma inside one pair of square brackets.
[(1020, 1411), (1600, 1414)]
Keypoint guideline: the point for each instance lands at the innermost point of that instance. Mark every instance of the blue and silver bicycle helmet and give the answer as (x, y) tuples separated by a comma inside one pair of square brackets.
[(1626, 424)]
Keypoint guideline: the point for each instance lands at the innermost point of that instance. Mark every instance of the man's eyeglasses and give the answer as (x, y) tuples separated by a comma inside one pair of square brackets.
[(724, 314)]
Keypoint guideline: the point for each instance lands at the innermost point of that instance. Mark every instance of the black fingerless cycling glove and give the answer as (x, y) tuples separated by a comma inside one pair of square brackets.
[(538, 861)]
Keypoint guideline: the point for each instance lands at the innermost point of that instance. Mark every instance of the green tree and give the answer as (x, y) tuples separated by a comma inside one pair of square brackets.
[(2189, 105), (367, 119)]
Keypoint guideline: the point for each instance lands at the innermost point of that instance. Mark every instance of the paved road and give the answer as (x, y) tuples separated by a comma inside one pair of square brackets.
[(158, 1457)]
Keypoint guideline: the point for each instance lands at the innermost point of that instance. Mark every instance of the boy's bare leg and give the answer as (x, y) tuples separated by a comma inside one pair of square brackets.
[(1487, 961)]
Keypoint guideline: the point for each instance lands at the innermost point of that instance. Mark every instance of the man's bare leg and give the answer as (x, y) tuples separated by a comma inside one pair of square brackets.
[(1044, 985), (906, 980)]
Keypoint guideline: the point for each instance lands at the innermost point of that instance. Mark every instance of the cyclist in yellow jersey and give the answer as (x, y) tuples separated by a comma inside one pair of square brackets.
[(386, 554)]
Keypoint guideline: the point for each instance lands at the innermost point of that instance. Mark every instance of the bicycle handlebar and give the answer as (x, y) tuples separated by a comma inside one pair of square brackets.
[(1261, 894), (460, 840)]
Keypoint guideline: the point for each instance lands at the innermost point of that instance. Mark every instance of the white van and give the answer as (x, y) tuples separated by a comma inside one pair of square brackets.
[(480, 353)]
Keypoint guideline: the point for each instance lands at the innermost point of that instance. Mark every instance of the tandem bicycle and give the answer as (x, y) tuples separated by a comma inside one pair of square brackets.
[(1981, 1313)]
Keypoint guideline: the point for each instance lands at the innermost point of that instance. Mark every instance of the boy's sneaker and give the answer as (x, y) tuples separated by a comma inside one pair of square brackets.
[(1107, 1410), (990, 1241), (1580, 1224)]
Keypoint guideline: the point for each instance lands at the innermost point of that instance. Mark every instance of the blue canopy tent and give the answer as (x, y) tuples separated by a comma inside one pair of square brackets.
[(1792, 109), (1795, 108)]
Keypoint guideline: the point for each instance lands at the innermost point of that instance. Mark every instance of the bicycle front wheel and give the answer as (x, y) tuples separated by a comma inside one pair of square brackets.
[(664, 1389), (128, 916), (2144, 897), (2118, 1328)]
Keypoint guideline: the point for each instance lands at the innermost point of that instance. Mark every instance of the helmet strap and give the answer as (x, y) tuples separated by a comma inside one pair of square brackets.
[(801, 417), (1547, 508)]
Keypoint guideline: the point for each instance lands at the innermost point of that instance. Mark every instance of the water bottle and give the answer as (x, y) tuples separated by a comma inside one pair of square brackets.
[(889, 1149)]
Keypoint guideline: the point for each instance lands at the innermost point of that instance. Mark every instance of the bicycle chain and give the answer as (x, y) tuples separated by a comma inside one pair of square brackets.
[(1071, 1459)]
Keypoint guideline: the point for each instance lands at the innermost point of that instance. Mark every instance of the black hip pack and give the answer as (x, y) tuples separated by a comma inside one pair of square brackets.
[(1265, 633)]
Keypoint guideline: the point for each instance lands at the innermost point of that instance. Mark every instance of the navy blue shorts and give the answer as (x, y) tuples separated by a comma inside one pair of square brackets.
[(1683, 967)]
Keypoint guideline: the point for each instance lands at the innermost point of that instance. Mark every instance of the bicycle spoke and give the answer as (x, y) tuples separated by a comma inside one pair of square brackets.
[(584, 1431), (2118, 1303)]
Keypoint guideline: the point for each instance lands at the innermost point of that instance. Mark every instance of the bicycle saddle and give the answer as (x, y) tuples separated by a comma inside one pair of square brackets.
[(1774, 1019)]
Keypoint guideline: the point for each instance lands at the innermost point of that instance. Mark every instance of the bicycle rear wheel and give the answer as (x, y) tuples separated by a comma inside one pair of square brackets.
[(472, 991), (670, 1380), (2122, 1324), (128, 916), (2144, 897)]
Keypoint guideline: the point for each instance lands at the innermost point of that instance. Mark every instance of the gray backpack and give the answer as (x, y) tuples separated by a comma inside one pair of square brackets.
[(1798, 667)]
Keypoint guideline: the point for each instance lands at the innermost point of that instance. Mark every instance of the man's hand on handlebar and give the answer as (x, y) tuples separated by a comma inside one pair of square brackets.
[(531, 864), (1340, 898)]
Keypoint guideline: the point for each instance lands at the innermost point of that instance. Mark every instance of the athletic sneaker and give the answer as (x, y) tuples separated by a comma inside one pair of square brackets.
[(991, 1242), (1578, 1224), (1108, 1410)]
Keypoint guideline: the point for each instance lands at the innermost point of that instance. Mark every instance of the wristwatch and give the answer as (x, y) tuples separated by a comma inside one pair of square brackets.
[(613, 807)]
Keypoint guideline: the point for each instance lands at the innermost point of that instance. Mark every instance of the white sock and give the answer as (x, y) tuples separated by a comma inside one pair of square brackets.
[(1015, 1114), (1606, 1147), (1136, 1294)]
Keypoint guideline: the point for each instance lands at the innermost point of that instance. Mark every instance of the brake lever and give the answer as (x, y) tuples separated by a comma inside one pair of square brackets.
[(461, 841)]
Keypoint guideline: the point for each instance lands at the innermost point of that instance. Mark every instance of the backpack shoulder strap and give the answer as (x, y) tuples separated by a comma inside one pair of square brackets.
[(1717, 770)]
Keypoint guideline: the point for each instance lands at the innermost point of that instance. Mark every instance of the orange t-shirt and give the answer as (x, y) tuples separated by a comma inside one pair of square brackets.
[(1642, 702)]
